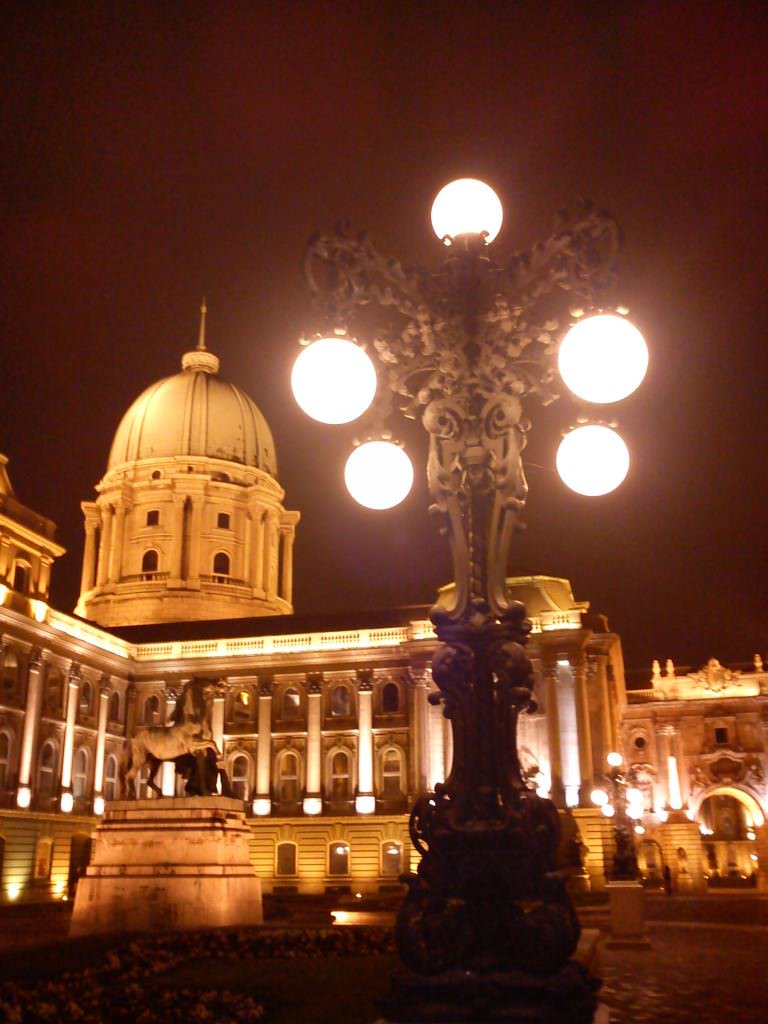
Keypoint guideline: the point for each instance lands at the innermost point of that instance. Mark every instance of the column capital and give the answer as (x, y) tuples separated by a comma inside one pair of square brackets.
[(105, 686), (74, 672), (365, 680), (36, 659), (315, 684), (265, 687)]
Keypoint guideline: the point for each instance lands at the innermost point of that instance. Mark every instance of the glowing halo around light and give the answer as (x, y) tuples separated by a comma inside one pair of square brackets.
[(592, 460), (603, 358), (378, 474), (333, 380), (467, 207)]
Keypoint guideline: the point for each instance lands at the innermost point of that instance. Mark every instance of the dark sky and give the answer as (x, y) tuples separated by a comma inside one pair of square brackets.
[(156, 152)]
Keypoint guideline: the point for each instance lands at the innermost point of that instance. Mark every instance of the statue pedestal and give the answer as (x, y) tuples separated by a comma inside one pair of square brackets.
[(627, 920), (168, 865)]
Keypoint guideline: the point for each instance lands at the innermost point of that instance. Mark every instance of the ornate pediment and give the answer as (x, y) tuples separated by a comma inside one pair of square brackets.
[(714, 677)]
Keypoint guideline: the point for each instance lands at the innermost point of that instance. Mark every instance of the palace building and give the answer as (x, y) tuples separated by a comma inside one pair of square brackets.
[(326, 726)]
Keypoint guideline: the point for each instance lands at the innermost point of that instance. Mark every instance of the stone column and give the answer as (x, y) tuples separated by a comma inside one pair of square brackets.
[(567, 712), (365, 801), (193, 538), (761, 851), (262, 803), (217, 723), (257, 552), (674, 798), (87, 578), (419, 678), (31, 726), (5, 557), (177, 543), (436, 747), (116, 552), (104, 545), (73, 690), (286, 580), (586, 762), (447, 747), (105, 692), (313, 800), (247, 535), (168, 768), (44, 577), (557, 790)]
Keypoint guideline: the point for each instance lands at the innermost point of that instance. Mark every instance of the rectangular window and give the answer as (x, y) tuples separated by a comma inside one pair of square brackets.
[(153, 517), (222, 520), (286, 859), (721, 734)]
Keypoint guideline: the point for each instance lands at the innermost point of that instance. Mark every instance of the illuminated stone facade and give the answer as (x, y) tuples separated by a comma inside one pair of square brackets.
[(326, 728), (698, 744), (189, 522)]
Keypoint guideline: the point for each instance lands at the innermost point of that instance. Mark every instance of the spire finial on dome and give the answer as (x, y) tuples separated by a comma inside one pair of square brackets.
[(201, 334)]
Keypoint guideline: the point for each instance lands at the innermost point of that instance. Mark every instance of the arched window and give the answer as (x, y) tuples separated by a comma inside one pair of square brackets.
[(288, 778), (53, 692), (291, 704), (240, 772), (390, 699), (221, 564), (152, 710), (391, 859), (5, 759), (391, 774), (80, 773), (10, 676), (338, 859), (285, 859), (21, 577), (113, 709), (46, 769), (341, 784), (149, 563), (341, 702), (43, 858), (111, 778), (86, 698)]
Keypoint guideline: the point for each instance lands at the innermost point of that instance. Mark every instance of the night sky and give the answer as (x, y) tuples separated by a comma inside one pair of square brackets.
[(154, 153)]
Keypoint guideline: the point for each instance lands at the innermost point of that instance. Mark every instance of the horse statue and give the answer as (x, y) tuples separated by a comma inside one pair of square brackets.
[(188, 741)]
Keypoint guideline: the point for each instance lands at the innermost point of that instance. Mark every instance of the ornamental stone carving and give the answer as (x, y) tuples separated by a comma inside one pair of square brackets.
[(714, 677)]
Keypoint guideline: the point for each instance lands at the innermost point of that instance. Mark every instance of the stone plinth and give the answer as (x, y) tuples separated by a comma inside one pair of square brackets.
[(627, 920), (168, 865)]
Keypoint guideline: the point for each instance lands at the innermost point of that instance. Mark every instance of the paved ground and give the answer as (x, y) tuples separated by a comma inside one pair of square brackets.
[(707, 962)]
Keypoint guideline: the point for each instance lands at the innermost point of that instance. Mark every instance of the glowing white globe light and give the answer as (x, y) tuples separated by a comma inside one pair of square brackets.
[(378, 474), (603, 358), (592, 460), (67, 802), (614, 759), (608, 810), (98, 804), (333, 380), (598, 797), (467, 207), (634, 795)]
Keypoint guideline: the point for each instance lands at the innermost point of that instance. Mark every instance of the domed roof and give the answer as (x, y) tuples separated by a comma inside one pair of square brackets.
[(195, 413)]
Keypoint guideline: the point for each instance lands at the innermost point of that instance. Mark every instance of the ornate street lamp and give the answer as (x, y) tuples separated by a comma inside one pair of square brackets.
[(623, 803), (486, 929)]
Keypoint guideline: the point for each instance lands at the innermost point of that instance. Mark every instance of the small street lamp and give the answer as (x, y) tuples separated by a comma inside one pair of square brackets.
[(623, 803), (487, 921)]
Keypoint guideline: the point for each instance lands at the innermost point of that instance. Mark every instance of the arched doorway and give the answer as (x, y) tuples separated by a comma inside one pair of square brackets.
[(650, 861), (727, 819)]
